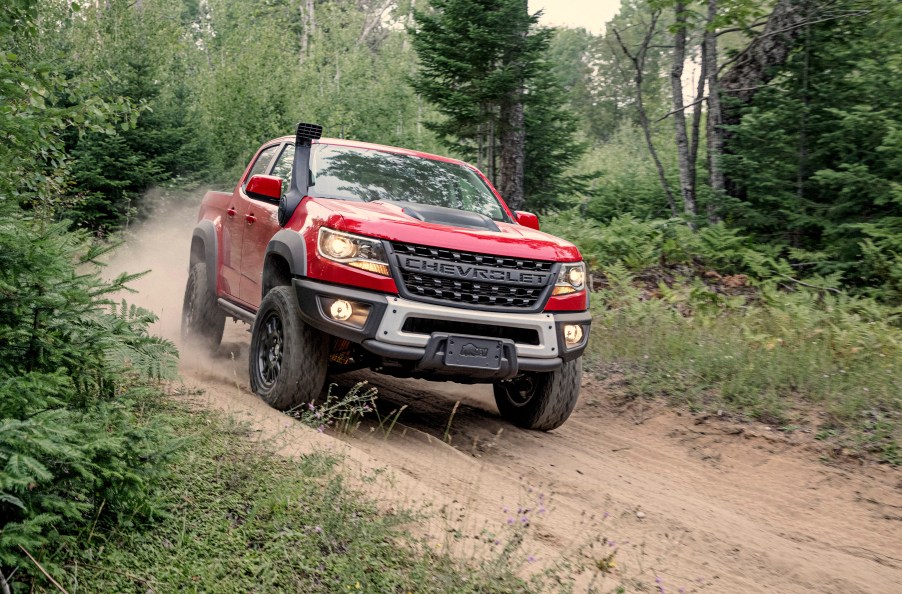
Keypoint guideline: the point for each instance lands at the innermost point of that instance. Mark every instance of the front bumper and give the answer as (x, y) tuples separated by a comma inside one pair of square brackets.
[(417, 333)]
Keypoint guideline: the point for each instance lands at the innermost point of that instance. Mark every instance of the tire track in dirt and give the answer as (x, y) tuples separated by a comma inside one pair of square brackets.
[(719, 512)]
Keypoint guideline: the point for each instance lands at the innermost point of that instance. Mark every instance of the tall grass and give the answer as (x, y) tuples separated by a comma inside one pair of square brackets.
[(770, 355)]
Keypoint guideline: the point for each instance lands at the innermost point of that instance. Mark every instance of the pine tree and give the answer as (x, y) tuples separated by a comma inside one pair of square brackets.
[(816, 155), (483, 67)]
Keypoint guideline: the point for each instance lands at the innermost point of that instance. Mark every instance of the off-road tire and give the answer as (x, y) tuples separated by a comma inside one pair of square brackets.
[(202, 320), (541, 401), (288, 358)]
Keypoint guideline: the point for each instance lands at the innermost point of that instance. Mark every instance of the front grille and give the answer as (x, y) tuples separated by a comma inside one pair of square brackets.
[(472, 258), (428, 326), (506, 283)]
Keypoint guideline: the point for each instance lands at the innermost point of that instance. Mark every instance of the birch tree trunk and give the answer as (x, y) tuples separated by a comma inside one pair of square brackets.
[(686, 165), (638, 60), (715, 113), (308, 24), (697, 118)]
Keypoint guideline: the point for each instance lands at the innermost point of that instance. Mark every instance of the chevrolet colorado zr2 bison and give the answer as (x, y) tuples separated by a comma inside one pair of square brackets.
[(344, 255)]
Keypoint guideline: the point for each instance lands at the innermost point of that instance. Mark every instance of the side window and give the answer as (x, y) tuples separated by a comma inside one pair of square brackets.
[(261, 163), (283, 165)]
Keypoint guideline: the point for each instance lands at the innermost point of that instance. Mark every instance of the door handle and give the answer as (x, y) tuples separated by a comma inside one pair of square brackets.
[(250, 218), (231, 211)]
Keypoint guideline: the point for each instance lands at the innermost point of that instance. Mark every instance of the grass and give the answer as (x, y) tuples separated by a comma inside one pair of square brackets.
[(782, 360), (242, 519)]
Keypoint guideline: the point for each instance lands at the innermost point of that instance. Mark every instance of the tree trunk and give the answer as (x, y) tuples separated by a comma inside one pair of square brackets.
[(801, 169), (513, 150), (638, 60), (490, 150), (686, 166), (697, 118), (714, 130), (308, 23), (755, 65)]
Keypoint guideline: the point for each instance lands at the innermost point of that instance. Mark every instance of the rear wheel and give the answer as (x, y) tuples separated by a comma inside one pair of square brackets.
[(202, 320), (541, 401), (288, 358)]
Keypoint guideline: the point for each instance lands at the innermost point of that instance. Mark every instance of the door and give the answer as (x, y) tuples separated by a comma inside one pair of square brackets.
[(234, 224), (261, 223)]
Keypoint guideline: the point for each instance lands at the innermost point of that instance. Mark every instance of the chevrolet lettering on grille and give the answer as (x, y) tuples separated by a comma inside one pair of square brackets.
[(472, 272)]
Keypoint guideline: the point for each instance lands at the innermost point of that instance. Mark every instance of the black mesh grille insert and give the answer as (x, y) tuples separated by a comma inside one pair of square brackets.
[(428, 326), (507, 294), (471, 258)]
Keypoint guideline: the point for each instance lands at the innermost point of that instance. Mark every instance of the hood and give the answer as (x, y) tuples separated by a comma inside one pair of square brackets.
[(404, 222)]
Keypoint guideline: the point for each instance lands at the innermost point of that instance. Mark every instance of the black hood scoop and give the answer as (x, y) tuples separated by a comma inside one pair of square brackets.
[(452, 217)]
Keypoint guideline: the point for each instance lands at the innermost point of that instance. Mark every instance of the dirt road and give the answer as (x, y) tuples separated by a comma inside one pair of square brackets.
[(690, 505)]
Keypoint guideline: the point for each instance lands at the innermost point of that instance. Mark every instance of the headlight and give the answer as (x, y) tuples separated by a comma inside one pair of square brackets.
[(353, 250), (570, 279)]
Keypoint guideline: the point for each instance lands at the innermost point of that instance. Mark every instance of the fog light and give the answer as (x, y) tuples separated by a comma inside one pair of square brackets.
[(340, 310), (573, 334), (346, 313)]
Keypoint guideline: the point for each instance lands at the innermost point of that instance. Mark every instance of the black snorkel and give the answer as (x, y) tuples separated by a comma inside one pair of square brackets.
[(300, 177)]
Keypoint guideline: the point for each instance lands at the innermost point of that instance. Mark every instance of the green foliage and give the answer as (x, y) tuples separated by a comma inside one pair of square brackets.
[(769, 358), (246, 519), (626, 181), (73, 446), (76, 449), (817, 155), (138, 58), (470, 72), (551, 149), (625, 240), (255, 82)]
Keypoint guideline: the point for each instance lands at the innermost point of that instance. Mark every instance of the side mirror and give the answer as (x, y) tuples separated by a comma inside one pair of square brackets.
[(264, 187), (527, 219)]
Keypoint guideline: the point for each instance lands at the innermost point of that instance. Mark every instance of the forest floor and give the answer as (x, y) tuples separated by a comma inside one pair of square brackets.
[(686, 502)]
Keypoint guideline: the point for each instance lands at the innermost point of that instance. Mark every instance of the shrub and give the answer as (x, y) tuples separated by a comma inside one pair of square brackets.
[(767, 357), (74, 373)]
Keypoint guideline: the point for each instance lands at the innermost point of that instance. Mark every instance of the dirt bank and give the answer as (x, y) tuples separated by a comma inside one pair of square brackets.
[(698, 506)]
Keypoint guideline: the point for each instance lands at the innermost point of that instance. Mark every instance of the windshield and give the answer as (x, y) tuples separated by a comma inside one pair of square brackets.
[(368, 175)]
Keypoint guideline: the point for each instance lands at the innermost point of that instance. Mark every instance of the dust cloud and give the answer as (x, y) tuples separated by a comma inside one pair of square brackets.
[(161, 246)]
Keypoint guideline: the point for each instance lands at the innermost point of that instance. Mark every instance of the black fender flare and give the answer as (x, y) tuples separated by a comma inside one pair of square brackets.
[(291, 246), (205, 233)]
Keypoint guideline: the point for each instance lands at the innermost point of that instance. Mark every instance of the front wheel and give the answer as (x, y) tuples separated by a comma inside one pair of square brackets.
[(541, 401), (288, 358)]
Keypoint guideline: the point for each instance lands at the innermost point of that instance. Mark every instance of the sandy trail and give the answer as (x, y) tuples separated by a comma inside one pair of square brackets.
[(698, 505)]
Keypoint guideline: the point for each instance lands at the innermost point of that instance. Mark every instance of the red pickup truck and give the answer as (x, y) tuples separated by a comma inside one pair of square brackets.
[(344, 255)]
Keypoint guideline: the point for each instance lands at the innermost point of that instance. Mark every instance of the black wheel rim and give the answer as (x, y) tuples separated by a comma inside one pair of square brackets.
[(521, 390), (269, 350)]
